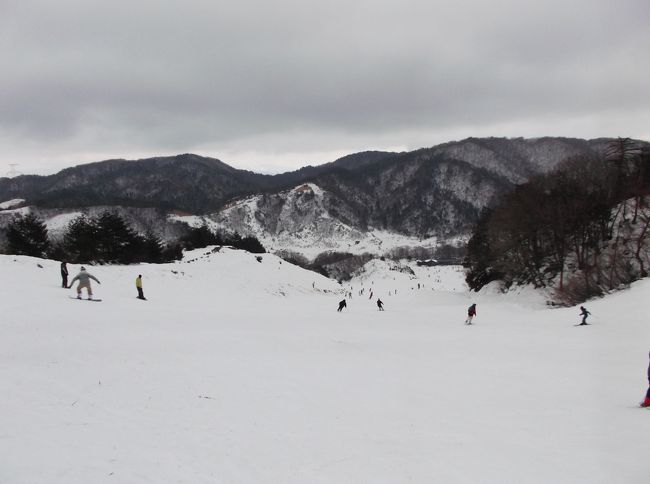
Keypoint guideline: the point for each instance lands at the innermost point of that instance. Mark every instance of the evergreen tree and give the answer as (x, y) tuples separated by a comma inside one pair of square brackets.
[(80, 240), (152, 248), (199, 237), (116, 240), (479, 258), (172, 252), (252, 245), (27, 235)]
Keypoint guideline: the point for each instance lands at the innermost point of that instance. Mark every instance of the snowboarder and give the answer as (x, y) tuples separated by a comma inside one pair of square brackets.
[(471, 312), (342, 305), (380, 304), (64, 274), (84, 281), (646, 402), (138, 286), (584, 313)]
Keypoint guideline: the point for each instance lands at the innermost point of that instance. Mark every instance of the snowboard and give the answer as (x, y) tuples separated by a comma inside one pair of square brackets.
[(84, 299)]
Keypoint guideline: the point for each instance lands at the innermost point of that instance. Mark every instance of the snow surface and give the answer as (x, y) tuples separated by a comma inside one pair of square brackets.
[(17, 211), (240, 371), (11, 203), (59, 223)]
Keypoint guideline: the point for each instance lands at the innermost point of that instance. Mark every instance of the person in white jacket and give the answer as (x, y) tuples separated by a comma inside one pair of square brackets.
[(84, 278)]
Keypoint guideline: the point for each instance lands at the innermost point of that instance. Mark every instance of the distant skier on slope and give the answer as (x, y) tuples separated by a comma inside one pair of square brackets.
[(84, 281), (584, 313), (64, 274), (138, 286), (342, 304), (380, 304), (646, 402), (471, 312)]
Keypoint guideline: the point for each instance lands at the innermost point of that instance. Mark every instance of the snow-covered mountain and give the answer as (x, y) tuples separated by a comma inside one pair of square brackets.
[(370, 201), (301, 220), (420, 198)]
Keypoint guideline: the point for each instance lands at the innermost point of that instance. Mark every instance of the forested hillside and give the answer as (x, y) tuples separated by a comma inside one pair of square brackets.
[(582, 229)]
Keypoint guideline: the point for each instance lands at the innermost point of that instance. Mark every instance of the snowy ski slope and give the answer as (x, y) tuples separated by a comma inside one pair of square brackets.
[(239, 371)]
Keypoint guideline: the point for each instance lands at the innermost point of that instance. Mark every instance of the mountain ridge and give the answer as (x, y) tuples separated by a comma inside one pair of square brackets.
[(429, 192)]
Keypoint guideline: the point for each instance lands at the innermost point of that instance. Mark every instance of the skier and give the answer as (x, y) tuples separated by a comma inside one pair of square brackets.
[(84, 281), (380, 304), (138, 286), (342, 305), (64, 274), (646, 402), (584, 313), (471, 312)]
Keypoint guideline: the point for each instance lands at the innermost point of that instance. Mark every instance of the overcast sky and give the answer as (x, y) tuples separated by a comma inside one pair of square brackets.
[(274, 85)]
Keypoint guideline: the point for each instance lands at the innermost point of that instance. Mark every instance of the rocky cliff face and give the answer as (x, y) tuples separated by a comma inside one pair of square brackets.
[(298, 219)]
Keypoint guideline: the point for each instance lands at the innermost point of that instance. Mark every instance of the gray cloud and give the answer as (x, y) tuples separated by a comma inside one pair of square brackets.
[(85, 79)]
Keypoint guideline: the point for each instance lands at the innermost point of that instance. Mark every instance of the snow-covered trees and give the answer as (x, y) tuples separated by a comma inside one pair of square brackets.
[(197, 237), (580, 229), (108, 238), (27, 235)]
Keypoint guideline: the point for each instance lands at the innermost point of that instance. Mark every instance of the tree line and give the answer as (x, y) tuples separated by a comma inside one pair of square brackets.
[(109, 239), (580, 229)]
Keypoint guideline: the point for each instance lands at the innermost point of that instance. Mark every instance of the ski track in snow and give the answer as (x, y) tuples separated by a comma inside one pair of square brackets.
[(239, 371)]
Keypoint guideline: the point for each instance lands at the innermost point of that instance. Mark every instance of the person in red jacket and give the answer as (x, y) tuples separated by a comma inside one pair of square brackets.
[(471, 312), (646, 402)]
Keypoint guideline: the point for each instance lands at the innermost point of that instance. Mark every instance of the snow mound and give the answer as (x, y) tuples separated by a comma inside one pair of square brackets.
[(11, 203)]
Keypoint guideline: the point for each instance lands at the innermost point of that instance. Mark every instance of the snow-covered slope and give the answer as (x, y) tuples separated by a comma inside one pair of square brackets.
[(385, 276), (11, 203), (242, 371)]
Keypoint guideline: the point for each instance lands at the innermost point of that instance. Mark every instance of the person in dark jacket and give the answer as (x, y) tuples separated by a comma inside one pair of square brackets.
[(646, 402), (380, 304), (584, 313), (64, 274), (471, 312), (342, 305)]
